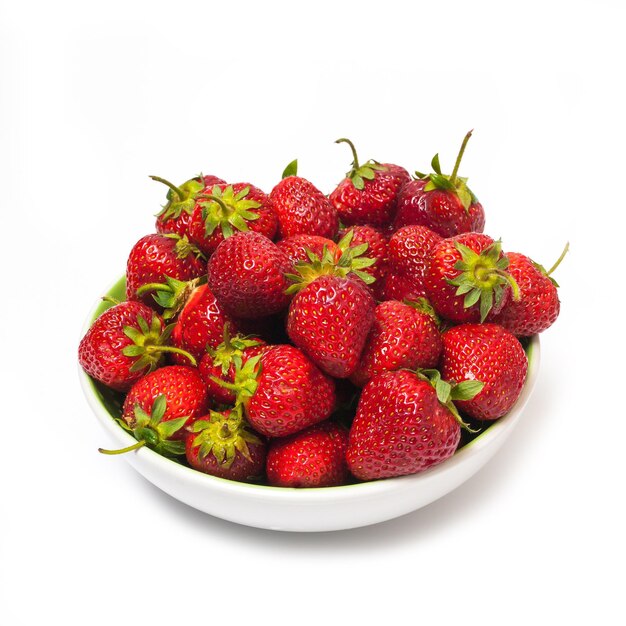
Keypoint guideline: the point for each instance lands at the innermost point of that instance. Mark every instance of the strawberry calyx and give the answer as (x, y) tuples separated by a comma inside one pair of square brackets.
[(228, 210), (483, 277), (223, 435), (150, 430), (181, 198), (172, 294), (350, 261), (548, 273), (358, 174), (424, 306), (453, 183), (231, 350), (290, 170), (448, 392), (149, 343), (245, 383)]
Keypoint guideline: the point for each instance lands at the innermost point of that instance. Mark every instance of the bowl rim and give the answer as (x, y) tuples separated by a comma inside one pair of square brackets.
[(311, 494)]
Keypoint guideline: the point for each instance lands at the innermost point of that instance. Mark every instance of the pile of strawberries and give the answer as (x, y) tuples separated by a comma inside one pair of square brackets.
[(304, 340)]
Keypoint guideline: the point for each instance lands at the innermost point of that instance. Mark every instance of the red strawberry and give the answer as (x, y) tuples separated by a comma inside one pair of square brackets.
[(200, 323), (369, 192), (408, 252), (125, 343), (228, 209), (160, 405), (401, 337), (154, 258), (442, 203), (221, 362), (296, 248), (314, 457), (301, 208), (538, 305), (376, 249), (246, 274), (282, 391), (466, 278), (491, 354), (223, 445), (176, 214), (403, 426)]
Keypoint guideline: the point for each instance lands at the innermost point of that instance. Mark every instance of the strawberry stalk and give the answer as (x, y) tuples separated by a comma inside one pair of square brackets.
[(135, 446), (459, 157), (177, 190), (558, 261)]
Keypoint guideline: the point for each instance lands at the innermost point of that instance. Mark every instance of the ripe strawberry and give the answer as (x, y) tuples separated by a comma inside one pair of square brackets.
[(246, 274), (369, 192), (440, 202), (176, 214), (282, 391), (314, 457), (538, 306), (401, 337), (125, 343), (408, 253), (296, 248), (466, 278), (228, 209), (491, 354), (221, 363), (223, 445), (154, 258), (404, 424), (200, 323), (301, 208), (160, 405)]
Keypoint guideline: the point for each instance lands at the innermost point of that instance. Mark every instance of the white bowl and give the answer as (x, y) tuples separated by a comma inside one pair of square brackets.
[(310, 510)]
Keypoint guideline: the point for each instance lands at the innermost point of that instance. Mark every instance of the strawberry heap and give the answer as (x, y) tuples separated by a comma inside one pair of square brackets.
[(299, 339)]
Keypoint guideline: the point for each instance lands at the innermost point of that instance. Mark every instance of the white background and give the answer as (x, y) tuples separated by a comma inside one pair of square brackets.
[(97, 96)]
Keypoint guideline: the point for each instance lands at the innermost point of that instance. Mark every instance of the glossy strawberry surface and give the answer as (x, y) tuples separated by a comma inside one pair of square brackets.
[(156, 256), (302, 209), (184, 390), (314, 457), (329, 320), (401, 337), (291, 393), (538, 306), (400, 428), (246, 274), (490, 354)]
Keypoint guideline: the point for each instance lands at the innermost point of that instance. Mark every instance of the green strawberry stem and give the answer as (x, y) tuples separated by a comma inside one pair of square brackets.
[(355, 162), (219, 201), (153, 287), (173, 350), (459, 157), (110, 299), (558, 261), (173, 187), (135, 446)]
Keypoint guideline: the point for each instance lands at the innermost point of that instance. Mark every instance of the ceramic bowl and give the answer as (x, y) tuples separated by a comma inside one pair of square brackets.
[(304, 510)]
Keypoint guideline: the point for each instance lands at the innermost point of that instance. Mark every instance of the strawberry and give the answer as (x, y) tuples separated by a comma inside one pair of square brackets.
[(440, 202), (246, 274), (401, 337), (200, 323), (301, 208), (296, 248), (228, 209), (176, 214), (408, 252), (154, 258), (125, 343), (314, 457), (369, 192), (332, 312), (538, 305), (466, 278), (221, 363), (282, 391), (404, 424), (223, 445), (491, 354), (159, 407)]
